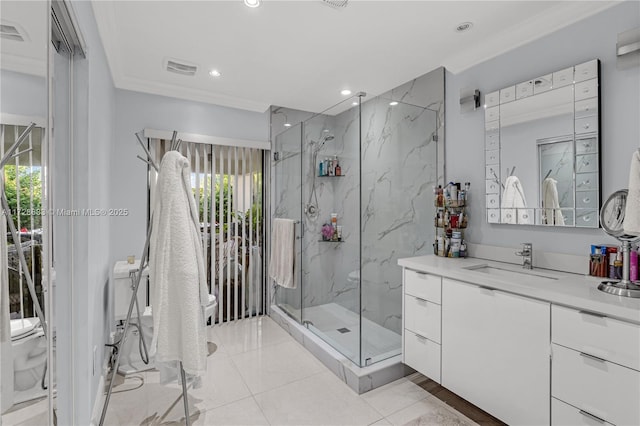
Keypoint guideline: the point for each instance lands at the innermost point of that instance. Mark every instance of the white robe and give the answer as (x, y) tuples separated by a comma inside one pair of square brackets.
[(176, 270)]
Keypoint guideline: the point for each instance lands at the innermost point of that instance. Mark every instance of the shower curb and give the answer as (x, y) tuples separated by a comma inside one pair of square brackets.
[(359, 379)]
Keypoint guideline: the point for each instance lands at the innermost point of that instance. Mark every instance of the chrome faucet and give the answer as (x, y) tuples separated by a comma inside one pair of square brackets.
[(527, 255)]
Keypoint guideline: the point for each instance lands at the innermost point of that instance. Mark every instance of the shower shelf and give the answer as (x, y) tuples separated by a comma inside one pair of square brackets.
[(330, 241), (331, 176)]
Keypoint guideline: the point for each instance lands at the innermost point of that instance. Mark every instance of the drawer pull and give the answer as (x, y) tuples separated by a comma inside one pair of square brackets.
[(420, 299), (593, 357), (421, 338), (592, 314), (422, 275), (586, 200), (486, 288), (591, 416)]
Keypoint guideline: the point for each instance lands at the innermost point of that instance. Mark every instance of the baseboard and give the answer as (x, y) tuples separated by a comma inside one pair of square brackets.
[(100, 396)]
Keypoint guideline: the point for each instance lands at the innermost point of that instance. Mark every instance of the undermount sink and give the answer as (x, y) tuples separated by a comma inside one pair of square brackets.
[(506, 273)]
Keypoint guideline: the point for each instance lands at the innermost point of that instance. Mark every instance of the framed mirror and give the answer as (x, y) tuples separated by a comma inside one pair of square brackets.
[(542, 146)]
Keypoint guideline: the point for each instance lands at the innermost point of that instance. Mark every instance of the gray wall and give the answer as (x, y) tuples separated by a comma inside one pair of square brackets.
[(23, 94), (594, 37), (137, 111)]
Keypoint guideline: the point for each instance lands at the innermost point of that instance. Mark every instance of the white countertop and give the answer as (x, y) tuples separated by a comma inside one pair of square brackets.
[(572, 290)]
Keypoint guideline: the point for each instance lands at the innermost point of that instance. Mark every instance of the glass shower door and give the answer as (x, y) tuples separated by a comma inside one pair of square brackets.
[(286, 172), (331, 252), (399, 158)]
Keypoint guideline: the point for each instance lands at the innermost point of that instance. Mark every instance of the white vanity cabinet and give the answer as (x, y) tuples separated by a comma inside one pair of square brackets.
[(495, 351), (596, 369), (422, 322)]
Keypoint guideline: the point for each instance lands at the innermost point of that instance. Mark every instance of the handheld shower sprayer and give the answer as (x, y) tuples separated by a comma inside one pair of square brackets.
[(311, 209)]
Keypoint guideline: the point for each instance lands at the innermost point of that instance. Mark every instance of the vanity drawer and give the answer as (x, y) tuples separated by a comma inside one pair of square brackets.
[(422, 354), (586, 89), (491, 114), (492, 187), (602, 388), (542, 84), (586, 71), (586, 163), (493, 215), (422, 317), (524, 89), (587, 145), (493, 201), (614, 340), (587, 108), (563, 414), (492, 156), (587, 200), (587, 218), (492, 139), (507, 94), (563, 77), (586, 181), (492, 99), (423, 285), (587, 124)]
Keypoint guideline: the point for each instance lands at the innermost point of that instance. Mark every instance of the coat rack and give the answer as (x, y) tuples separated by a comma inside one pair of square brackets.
[(175, 146)]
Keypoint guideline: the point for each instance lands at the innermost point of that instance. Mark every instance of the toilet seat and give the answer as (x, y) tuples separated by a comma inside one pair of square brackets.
[(23, 328)]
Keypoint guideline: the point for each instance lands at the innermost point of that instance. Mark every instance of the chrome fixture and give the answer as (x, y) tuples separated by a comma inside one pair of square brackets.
[(527, 255), (612, 220), (311, 209)]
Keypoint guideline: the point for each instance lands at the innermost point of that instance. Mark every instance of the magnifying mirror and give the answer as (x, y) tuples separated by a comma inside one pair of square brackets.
[(612, 221)]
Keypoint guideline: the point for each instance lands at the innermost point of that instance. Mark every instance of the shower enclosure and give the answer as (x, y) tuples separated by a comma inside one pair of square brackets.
[(349, 291)]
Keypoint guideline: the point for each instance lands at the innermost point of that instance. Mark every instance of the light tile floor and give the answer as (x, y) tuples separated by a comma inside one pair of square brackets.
[(259, 375)]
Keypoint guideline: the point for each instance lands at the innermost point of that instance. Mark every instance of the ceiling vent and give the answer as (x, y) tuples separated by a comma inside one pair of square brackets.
[(336, 4), (181, 67), (12, 32)]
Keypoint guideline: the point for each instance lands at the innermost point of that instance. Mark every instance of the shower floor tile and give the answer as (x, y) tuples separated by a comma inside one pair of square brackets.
[(329, 321)]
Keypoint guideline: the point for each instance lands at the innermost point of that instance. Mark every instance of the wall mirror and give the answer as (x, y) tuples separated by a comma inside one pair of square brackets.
[(542, 149)]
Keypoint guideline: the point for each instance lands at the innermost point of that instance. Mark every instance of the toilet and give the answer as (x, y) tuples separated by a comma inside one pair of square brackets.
[(131, 359), (29, 348)]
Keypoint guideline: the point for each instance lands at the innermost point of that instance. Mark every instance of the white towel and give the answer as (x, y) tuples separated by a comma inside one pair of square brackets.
[(513, 207), (632, 211), (176, 270), (550, 203), (281, 263)]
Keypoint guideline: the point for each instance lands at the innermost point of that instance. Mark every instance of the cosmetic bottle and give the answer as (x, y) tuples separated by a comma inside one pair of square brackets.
[(334, 220), (338, 170), (320, 169), (326, 166), (453, 191), (339, 232)]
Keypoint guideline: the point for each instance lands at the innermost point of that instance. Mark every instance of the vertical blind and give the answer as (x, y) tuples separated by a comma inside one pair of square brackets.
[(23, 188), (227, 185)]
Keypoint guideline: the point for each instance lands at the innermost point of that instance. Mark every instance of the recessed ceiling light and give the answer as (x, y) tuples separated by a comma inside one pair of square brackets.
[(354, 103), (252, 3), (465, 26), (345, 92), (287, 124), (325, 131), (393, 103), (214, 73)]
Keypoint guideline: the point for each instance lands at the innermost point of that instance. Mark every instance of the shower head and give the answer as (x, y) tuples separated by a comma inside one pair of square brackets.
[(327, 138)]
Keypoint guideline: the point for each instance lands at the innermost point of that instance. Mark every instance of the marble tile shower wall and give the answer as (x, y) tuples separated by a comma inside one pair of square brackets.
[(399, 162), (398, 175)]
